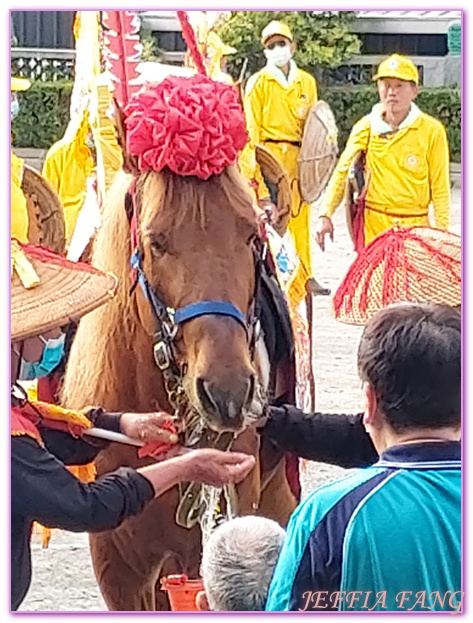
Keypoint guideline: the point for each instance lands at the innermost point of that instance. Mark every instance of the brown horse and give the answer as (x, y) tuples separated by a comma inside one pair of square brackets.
[(197, 245)]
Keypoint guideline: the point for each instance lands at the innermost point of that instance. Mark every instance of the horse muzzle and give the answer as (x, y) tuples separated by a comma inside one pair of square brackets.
[(224, 403)]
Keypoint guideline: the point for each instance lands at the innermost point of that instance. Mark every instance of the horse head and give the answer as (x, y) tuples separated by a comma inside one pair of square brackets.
[(197, 244)]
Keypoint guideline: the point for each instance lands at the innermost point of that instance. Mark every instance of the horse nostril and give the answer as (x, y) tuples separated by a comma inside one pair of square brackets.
[(251, 391), (205, 395), (227, 400)]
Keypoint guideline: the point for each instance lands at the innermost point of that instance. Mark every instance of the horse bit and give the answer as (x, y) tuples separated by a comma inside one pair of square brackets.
[(195, 499)]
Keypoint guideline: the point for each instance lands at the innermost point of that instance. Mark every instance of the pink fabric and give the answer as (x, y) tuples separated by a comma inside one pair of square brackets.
[(193, 126)]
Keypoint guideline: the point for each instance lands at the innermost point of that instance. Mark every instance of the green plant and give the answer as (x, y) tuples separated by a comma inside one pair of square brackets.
[(150, 51), (348, 104), (445, 105), (323, 37), (44, 112), (43, 116)]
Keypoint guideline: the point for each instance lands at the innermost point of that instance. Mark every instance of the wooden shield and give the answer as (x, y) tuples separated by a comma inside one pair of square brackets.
[(273, 171), (47, 226), (319, 151)]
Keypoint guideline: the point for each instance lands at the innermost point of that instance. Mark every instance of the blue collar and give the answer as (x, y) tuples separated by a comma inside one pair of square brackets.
[(435, 455)]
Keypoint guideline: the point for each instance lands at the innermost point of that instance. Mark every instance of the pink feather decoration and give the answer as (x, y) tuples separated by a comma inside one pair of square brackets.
[(122, 52)]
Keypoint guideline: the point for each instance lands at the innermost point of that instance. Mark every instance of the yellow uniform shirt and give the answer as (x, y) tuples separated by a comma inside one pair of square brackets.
[(67, 166), (409, 169), (276, 108), (19, 211)]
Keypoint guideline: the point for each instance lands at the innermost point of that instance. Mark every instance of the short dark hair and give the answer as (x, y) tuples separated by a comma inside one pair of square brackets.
[(410, 354)]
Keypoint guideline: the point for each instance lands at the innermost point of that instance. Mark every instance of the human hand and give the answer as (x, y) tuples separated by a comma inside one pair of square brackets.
[(268, 208), (324, 226), (217, 468), (148, 427)]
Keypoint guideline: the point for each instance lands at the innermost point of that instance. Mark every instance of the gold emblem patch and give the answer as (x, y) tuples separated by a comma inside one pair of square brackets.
[(412, 160), (302, 111)]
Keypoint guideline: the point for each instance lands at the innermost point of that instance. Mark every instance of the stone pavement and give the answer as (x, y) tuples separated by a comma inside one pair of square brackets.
[(62, 575)]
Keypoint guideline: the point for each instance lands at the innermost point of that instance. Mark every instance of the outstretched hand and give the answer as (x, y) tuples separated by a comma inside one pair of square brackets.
[(148, 427), (324, 226), (269, 209), (217, 468)]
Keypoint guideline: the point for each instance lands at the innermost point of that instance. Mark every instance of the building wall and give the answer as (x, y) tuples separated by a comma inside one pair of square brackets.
[(43, 29)]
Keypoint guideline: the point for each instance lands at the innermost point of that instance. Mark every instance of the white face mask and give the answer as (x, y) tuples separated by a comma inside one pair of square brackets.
[(15, 109), (279, 56)]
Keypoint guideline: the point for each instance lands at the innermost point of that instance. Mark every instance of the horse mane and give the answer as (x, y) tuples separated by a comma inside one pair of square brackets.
[(106, 335), (187, 197), (90, 363)]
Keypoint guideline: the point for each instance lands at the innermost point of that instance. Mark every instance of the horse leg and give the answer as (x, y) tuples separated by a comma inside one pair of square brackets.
[(130, 560), (277, 500), (122, 588), (249, 491)]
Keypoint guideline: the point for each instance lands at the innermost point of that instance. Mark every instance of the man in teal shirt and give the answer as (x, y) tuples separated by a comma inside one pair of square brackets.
[(388, 538)]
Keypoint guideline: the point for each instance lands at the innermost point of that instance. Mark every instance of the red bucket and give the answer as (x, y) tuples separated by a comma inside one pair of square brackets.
[(182, 592)]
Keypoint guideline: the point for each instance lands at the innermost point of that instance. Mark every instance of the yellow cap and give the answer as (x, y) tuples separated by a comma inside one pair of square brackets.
[(276, 28), (20, 84), (397, 66), (218, 45)]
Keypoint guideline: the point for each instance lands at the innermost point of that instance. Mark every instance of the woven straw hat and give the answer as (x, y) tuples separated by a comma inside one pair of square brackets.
[(48, 291), (419, 264)]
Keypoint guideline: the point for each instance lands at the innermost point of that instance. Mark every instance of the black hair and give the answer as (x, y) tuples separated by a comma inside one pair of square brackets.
[(410, 354)]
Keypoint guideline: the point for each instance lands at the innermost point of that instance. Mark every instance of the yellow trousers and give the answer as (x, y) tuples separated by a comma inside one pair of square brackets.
[(377, 223), (299, 225)]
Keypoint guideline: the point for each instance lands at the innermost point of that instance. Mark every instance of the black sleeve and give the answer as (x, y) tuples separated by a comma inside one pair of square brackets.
[(326, 438), (45, 491), (72, 451)]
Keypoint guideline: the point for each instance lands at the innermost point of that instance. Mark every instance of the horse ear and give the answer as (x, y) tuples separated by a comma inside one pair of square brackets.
[(130, 163)]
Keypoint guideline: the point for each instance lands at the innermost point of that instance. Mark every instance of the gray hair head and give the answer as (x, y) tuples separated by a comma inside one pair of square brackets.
[(238, 563)]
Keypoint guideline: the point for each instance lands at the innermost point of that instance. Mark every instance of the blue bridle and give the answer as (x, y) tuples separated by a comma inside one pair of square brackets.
[(189, 312), (209, 308), (168, 320)]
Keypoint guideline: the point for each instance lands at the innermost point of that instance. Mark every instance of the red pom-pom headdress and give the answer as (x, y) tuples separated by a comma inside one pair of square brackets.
[(194, 126)]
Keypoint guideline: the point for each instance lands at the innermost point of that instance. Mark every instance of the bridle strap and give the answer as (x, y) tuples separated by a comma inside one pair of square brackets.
[(189, 312), (206, 308)]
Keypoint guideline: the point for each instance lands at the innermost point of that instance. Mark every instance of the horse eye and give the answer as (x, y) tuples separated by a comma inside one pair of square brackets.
[(159, 244)]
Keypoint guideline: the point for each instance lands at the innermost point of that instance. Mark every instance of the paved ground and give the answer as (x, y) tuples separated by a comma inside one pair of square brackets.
[(62, 575)]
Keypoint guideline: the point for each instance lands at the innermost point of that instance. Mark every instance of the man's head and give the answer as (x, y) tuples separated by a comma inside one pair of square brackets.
[(398, 81), (278, 43), (17, 85), (217, 50), (238, 563), (410, 360)]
